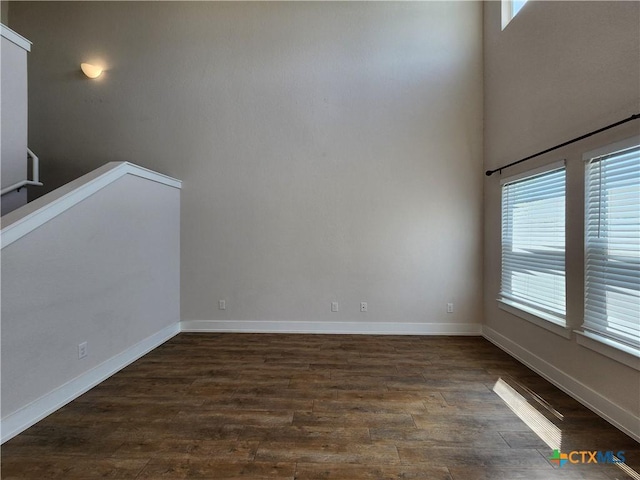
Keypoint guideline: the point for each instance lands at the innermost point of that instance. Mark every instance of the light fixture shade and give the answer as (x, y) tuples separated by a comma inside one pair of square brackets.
[(90, 71)]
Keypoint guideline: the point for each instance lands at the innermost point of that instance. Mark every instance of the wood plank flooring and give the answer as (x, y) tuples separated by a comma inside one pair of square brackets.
[(257, 406)]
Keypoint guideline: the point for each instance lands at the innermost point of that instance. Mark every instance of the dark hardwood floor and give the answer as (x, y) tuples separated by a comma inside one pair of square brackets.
[(245, 406)]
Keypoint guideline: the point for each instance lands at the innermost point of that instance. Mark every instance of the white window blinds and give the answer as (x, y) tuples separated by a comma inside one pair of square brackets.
[(533, 244), (612, 250)]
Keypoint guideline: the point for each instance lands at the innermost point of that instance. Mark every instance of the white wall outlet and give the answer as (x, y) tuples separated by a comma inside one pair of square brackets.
[(334, 306), (363, 306), (449, 307), (222, 305), (82, 350)]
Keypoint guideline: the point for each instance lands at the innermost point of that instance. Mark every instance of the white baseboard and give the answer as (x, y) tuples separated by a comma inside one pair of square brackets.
[(372, 328), (20, 420), (602, 406)]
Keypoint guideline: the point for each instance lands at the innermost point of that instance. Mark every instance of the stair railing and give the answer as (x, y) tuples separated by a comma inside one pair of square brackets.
[(35, 171)]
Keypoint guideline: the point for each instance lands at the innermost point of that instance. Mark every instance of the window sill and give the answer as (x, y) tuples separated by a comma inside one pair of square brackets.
[(543, 320), (609, 348)]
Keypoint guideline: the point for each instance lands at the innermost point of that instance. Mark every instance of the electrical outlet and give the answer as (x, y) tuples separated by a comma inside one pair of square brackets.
[(449, 307), (222, 305), (363, 306), (82, 350), (334, 306)]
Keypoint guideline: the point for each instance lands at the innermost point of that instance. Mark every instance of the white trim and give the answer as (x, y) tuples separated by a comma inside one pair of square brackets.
[(609, 348), (616, 415), (541, 319), (18, 421), (372, 328), (505, 13), (612, 148), (27, 218), (556, 165), (16, 38)]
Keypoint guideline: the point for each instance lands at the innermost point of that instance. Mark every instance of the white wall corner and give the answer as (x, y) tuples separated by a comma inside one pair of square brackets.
[(599, 404), (20, 420)]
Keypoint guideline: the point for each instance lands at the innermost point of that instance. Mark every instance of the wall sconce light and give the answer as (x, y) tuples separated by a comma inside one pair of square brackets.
[(91, 71)]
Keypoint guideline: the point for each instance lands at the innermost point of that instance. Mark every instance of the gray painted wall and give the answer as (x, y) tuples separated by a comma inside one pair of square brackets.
[(4, 12), (559, 70), (105, 272), (329, 151)]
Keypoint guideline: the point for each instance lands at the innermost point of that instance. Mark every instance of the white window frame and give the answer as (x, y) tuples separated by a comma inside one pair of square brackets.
[(509, 11), (548, 321), (606, 346)]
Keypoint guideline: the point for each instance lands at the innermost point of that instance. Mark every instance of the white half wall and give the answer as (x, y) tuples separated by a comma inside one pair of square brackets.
[(330, 151), (102, 270)]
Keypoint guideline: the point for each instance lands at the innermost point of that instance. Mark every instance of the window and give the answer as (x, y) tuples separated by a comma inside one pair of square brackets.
[(516, 6), (533, 244), (510, 9), (612, 248)]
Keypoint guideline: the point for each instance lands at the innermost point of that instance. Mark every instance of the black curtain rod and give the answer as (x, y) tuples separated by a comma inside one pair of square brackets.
[(632, 117)]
